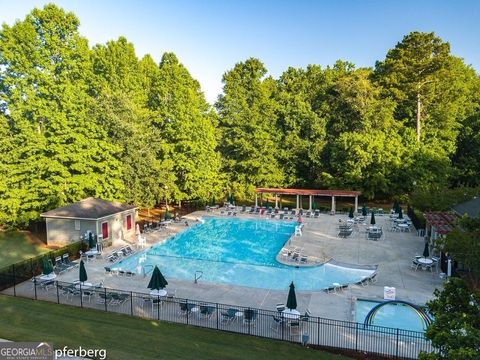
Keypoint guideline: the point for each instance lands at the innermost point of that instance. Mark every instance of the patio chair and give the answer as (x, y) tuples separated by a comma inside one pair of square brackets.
[(280, 307), (184, 309), (249, 316), (294, 328), (206, 311), (415, 264), (277, 322), (228, 316), (46, 284), (88, 294), (59, 265)]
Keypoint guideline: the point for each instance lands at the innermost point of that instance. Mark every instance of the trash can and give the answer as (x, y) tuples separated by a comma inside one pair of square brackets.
[(305, 339)]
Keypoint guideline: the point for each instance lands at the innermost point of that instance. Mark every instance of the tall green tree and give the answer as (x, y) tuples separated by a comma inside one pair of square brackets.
[(122, 86), (455, 331), (188, 128), (432, 88), (466, 159), (250, 139), (61, 154), (302, 129)]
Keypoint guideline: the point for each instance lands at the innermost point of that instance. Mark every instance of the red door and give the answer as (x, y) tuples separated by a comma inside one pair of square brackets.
[(129, 222), (105, 230)]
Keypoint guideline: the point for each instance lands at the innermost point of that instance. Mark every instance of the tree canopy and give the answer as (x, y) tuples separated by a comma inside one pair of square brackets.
[(79, 121)]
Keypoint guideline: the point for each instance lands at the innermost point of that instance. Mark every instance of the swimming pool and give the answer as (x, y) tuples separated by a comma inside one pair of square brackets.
[(237, 252), (392, 315)]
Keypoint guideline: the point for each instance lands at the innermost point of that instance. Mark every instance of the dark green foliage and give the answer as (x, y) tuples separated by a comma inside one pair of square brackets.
[(59, 154), (455, 331), (78, 122), (463, 244), (250, 141), (441, 198)]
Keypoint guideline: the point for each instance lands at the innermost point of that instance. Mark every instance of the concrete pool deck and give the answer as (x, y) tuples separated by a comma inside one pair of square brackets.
[(392, 253)]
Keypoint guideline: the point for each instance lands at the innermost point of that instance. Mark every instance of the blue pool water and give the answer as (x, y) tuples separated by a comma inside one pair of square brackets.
[(391, 315), (237, 252)]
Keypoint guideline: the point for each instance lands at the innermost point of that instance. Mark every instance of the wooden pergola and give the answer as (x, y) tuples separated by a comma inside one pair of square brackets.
[(310, 193)]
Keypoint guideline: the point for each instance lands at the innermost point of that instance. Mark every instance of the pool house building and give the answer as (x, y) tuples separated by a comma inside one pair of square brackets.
[(108, 220)]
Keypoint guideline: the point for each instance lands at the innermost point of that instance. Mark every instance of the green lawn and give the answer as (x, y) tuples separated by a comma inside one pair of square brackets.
[(126, 337), (17, 246)]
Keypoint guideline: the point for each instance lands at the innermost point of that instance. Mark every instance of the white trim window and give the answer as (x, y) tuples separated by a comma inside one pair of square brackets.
[(77, 225)]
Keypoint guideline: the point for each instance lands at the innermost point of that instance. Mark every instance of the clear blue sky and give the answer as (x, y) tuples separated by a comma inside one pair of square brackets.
[(210, 36)]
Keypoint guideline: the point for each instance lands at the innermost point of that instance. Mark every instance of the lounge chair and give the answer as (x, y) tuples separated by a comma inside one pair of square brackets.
[(364, 281), (280, 307), (119, 299), (104, 298), (330, 289), (306, 317), (68, 263)]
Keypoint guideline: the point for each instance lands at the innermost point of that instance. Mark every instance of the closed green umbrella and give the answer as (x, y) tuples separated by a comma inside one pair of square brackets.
[(267, 204), (314, 205), (82, 273), (212, 202), (91, 241), (400, 213), (364, 211), (396, 205), (167, 214), (292, 298), (372, 219), (47, 266), (157, 281), (350, 214), (426, 251)]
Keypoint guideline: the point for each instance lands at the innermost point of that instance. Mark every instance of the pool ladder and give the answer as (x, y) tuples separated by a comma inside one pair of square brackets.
[(198, 275)]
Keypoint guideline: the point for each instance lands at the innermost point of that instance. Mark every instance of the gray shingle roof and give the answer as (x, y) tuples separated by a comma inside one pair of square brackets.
[(471, 208), (89, 208)]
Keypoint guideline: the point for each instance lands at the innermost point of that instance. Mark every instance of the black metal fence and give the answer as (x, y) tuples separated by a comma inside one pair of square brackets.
[(232, 318), (24, 270)]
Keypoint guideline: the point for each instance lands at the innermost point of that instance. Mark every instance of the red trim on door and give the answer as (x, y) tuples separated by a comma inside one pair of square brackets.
[(129, 222), (105, 230)]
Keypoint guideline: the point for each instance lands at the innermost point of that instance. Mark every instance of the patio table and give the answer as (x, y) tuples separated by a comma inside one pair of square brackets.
[(290, 314)]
